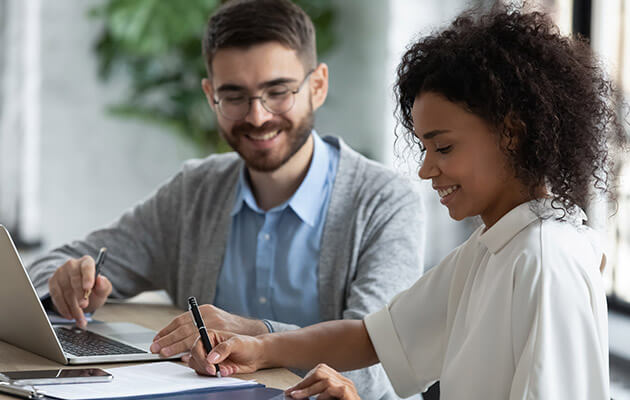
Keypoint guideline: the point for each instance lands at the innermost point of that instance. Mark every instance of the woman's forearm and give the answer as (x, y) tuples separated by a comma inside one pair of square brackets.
[(342, 344)]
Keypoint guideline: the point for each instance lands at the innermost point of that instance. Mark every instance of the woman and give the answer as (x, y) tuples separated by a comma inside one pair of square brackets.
[(513, 121)]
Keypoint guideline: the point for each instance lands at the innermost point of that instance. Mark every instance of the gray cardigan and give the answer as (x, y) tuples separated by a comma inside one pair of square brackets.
[(175, 240)]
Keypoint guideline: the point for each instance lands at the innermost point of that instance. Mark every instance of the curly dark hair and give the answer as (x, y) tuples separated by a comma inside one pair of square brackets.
[(544, 92)]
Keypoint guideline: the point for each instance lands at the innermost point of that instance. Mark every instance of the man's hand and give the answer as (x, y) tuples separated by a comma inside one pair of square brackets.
[(180, 334), (235, 354), (69, 284), (325, 382)]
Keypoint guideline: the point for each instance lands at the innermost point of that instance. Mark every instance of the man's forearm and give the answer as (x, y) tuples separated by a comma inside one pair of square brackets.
[(344, 345)]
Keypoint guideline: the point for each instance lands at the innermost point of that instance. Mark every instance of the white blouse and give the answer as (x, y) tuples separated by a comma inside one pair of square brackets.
[(516, 312)]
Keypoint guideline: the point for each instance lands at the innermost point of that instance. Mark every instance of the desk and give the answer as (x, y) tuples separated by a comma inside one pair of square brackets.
[(149, 315)]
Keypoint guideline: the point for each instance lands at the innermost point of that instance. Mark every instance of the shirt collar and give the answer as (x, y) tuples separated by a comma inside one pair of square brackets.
[(520, 217), (244, 194), (303, 202)]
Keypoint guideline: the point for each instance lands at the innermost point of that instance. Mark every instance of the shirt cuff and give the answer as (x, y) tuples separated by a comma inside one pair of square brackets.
[(390, 352)]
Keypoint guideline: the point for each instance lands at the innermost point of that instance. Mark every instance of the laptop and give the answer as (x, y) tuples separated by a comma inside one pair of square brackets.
[(23, 323)]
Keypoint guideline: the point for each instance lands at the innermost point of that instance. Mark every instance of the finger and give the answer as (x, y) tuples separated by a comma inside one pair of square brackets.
[(58, 284), (181, 346), (198, 356), (178, 341), (197, 366), (59, 302), (316, 388), (220, 352), (228, 368), (183, 332), (198, 353), (100, 293), (334, 391), (194, 364), (75, 311), (76, 283), (173, 325), (314, 375), (70, 300), (198, 359), (102, 287), (195, 343), (87, 269)]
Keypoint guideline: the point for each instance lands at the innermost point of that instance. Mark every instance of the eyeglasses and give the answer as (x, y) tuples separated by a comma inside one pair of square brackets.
[(276, 99)]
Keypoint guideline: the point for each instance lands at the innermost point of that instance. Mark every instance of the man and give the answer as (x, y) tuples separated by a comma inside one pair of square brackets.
[(289, 230)]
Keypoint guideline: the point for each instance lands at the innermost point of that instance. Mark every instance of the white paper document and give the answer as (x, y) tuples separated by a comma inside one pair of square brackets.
[(144, 380)]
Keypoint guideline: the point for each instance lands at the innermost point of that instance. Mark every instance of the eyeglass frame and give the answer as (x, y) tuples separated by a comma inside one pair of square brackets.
[(262, 102)]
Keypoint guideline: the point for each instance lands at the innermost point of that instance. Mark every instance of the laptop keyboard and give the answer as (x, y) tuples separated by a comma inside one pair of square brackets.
[(85, 343)]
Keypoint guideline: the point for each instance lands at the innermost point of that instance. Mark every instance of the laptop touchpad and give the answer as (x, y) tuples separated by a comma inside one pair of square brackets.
[(132, 334)]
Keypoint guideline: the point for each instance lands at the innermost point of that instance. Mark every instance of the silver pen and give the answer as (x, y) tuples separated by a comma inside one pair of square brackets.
[(27, 392)]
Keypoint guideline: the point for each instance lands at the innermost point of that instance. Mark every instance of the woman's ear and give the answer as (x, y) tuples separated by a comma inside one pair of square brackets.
[(319, 85), (513, 127)]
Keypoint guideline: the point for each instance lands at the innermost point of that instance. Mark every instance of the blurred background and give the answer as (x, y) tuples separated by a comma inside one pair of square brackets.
[(100, 102)]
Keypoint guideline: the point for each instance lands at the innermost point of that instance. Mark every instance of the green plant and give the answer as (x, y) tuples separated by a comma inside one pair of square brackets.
[(157, 44)]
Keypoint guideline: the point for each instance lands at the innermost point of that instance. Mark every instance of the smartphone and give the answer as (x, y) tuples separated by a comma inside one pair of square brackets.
[(56, 376)]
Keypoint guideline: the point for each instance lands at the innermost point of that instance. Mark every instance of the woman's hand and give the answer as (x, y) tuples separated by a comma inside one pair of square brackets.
[(233, 353), (325, 382), (180, 334)]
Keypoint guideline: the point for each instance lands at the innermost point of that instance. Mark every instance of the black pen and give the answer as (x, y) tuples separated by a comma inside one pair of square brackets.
[(100, 259), (203, 334)]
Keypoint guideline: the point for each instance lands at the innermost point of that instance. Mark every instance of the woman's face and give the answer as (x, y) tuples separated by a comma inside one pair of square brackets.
[(464, 161)]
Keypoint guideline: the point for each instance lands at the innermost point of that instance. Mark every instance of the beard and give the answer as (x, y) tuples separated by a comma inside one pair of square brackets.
[(269, 160)]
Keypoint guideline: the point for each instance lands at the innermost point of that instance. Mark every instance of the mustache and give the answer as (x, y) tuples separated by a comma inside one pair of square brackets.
[(246, 128)]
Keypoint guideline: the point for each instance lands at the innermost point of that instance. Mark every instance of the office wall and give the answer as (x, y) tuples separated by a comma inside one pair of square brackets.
[(356, 106), (93, 166)]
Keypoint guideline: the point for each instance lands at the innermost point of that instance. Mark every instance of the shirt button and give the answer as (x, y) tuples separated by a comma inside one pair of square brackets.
[(262, 300), (267, 236)]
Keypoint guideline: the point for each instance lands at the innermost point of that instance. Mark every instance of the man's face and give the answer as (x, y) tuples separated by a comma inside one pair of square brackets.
[(264, 140)]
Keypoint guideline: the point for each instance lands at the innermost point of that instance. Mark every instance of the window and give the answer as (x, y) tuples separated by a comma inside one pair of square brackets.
[(611, 40)]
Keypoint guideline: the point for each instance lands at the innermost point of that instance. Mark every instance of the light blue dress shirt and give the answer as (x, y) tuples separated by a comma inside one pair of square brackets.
[(270, 267)]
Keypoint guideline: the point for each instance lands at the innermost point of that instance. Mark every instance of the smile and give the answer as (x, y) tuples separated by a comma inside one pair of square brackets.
[(445, 192), (264, 136)]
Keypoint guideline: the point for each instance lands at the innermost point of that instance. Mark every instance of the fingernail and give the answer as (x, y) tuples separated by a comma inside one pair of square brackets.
[(212, 357), (210, 370), (155, 347)]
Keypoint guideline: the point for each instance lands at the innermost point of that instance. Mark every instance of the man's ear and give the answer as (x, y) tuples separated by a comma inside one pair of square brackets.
[(319, 85), (209, 91)]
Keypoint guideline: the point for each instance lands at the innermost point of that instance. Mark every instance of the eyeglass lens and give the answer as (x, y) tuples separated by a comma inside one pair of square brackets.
[(276, 99)]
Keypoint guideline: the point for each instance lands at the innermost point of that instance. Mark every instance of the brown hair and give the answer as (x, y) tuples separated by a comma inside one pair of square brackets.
[(244, 23)]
